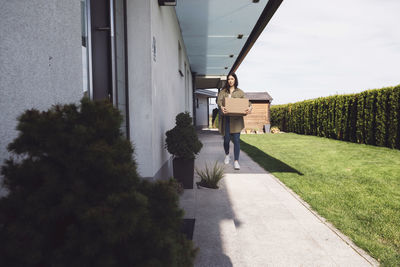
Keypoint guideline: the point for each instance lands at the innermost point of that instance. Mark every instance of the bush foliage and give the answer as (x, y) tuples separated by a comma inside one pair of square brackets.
[(75, 198), (370, 117), (182, 140)]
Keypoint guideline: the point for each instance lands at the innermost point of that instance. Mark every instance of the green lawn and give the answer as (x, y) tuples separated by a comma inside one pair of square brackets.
[(356, 187)]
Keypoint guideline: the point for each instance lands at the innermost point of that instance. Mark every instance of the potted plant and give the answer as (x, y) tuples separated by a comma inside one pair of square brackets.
[(183, 143), (211, 176), (275, 129)]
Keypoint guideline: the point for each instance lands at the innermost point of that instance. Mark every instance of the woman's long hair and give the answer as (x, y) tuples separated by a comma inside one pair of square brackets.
[(226, 87)]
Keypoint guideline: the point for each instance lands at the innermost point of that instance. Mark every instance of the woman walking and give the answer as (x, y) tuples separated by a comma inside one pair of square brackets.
[(231, 126)]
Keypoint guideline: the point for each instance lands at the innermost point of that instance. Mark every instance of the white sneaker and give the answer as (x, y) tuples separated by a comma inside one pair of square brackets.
[(227, 159), (236, 165)]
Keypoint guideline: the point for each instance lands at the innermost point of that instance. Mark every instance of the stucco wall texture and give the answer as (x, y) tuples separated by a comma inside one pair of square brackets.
[(40, 59), (157, 91), (41, 65)]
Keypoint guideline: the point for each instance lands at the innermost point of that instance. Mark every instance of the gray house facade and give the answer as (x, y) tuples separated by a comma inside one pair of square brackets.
[(146, 56)]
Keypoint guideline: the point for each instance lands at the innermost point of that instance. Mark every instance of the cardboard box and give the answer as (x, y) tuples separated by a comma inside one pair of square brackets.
[(236, 106)]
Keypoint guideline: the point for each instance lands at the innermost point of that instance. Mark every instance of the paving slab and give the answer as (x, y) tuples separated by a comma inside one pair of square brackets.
[(255, 220)]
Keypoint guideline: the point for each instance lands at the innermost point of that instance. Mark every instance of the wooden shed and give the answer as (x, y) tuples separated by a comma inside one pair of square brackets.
[(260, 116)]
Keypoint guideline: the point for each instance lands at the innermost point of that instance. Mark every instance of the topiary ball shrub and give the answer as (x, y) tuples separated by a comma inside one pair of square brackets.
[(183, 120), (182, 140), (75, 198)]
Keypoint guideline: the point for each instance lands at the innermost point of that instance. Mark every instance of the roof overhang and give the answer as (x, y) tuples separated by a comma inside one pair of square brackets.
[(258, 96), (218, 34), (210, 81), (206, 93)]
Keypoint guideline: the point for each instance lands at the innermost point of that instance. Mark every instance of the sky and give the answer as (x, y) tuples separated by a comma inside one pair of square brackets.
[(314, 48)]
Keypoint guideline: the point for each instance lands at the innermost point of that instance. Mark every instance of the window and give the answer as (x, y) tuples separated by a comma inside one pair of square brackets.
[(180, 67), (85, 50), (104, 76)]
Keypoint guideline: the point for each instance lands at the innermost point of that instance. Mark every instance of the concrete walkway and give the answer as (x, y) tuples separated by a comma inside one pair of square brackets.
[(255, 220)]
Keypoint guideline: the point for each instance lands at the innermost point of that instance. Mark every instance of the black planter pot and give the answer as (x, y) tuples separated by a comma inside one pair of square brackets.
[(184, 171)]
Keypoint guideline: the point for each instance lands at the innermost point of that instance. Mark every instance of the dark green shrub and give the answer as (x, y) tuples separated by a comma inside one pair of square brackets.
[(393, 127), (370, 117), (182, 140), (381, 115), (75, 198)]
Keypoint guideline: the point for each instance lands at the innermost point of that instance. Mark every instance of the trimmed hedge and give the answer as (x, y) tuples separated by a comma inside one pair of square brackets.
[(370, 117)]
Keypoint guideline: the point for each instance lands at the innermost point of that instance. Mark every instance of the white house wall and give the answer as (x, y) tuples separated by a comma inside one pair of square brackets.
[(157, 91), (41, 65), (40, 59), (139, 81), (201, 111)]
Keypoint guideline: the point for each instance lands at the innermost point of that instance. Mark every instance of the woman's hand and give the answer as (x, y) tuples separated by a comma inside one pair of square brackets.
[(248, 110), (224, 110)]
